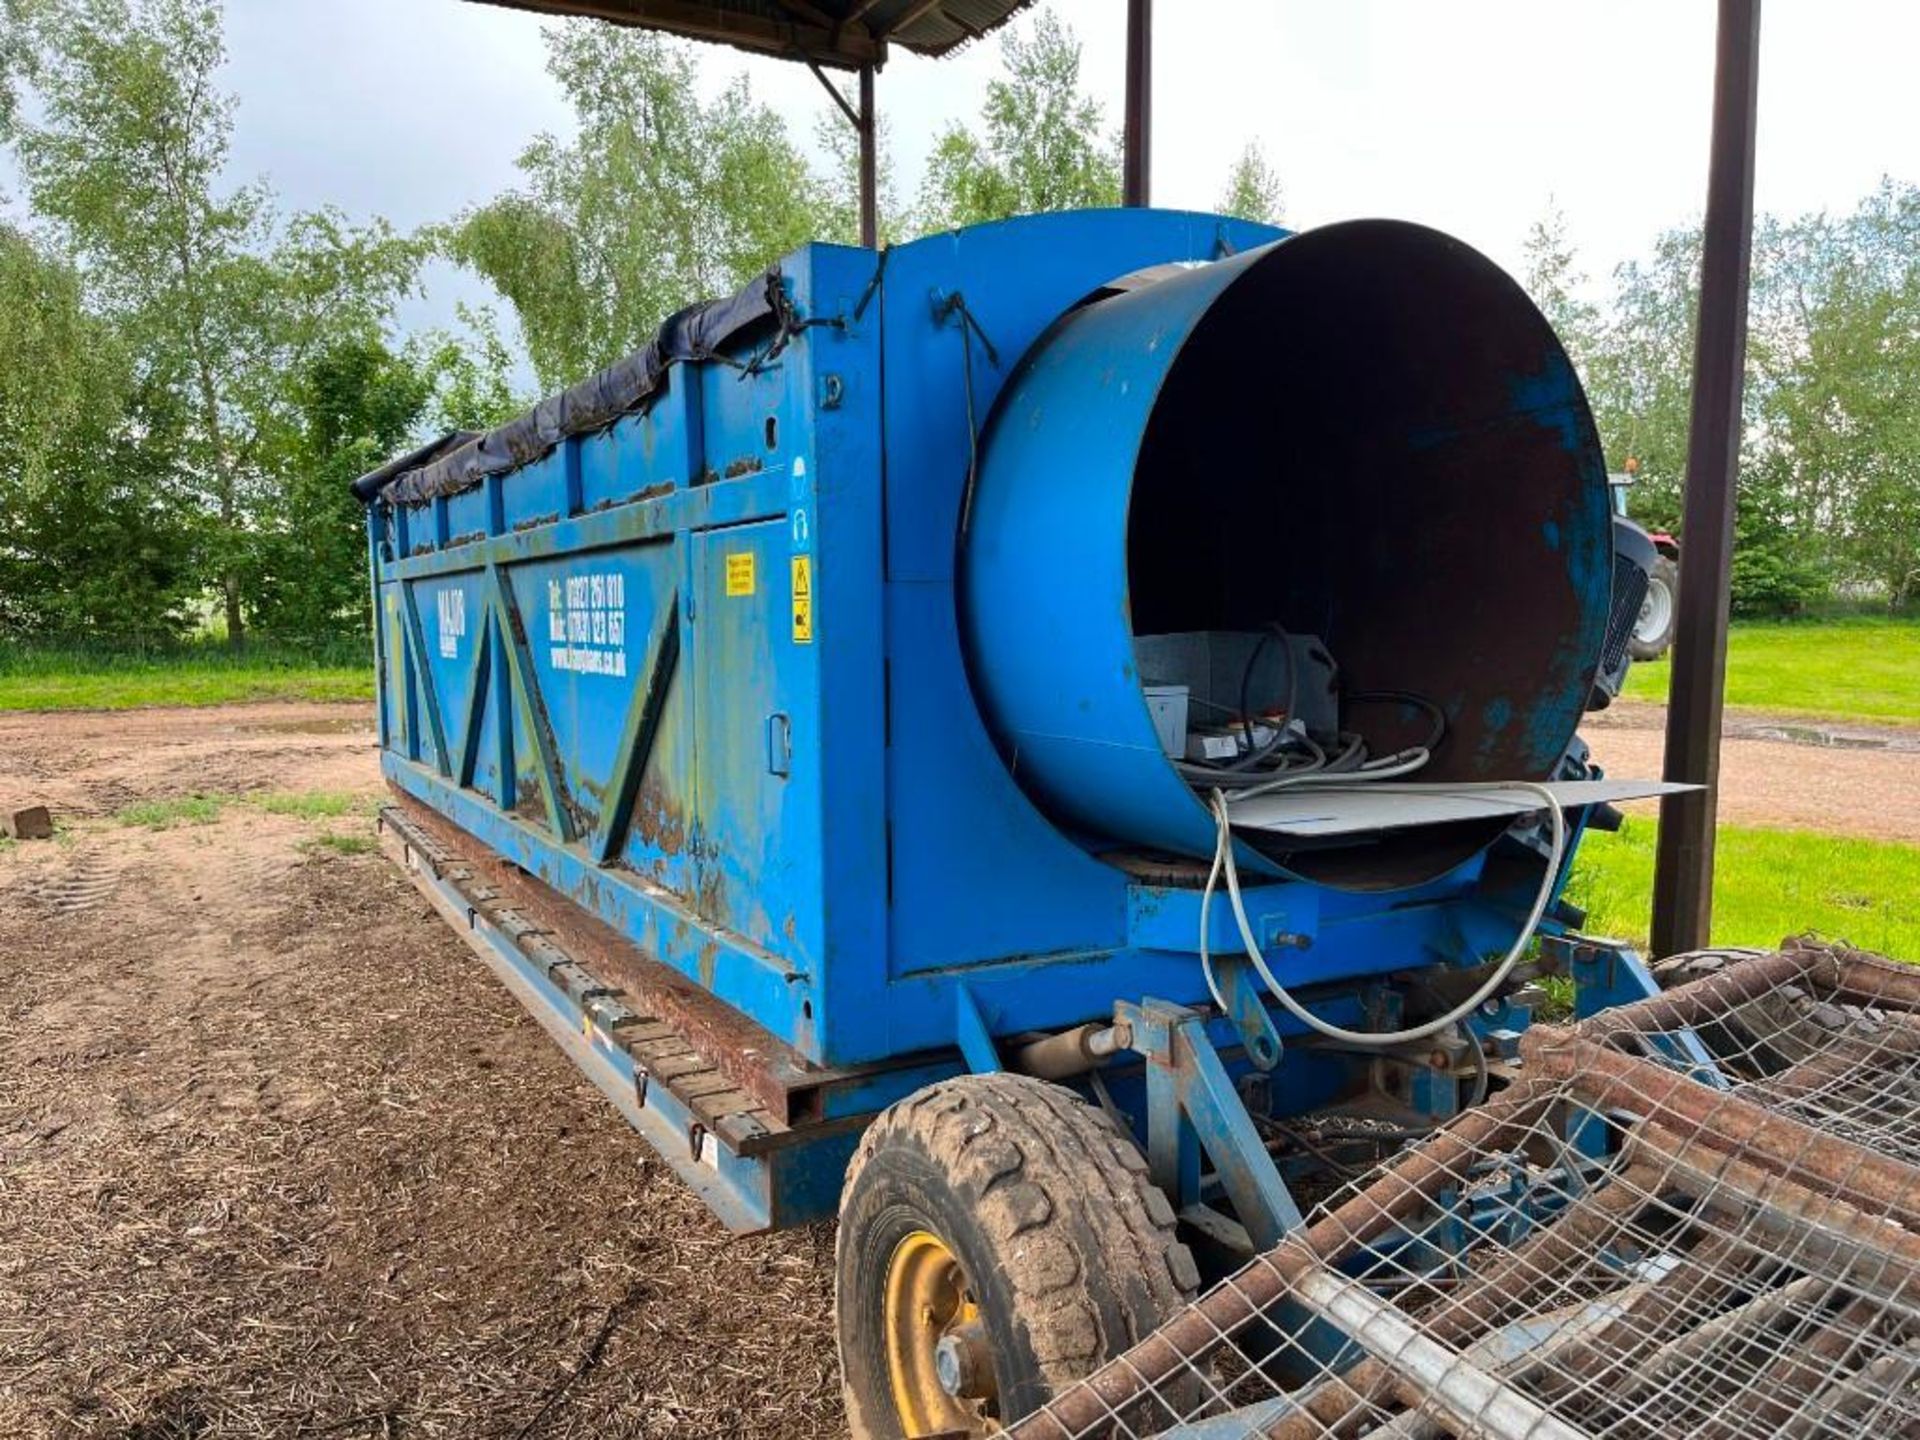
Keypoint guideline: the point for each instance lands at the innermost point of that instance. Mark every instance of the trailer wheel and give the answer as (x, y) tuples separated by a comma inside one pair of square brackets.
[(998, 1239), (1653, 628)]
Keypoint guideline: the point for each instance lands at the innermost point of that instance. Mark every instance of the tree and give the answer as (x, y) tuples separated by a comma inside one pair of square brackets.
[(1837, 313), (218, 302), (660, 201), (840, 208), (1040, 146), (1829, 480), (1253, 188), (471, 374), (1638, 371), (1555, 281), (16, 58), (96, 534), (356, 402)]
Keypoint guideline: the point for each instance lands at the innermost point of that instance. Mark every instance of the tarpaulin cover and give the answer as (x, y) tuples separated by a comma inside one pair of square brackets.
[(463, 459)]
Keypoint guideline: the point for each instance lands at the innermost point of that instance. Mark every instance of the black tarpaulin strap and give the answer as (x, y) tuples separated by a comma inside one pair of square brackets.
[(463, 459)]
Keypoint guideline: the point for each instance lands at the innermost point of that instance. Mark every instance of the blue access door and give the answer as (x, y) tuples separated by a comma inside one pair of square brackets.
[(757, 795)]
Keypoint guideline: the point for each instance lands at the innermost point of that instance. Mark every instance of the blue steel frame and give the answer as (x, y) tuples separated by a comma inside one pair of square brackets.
[(701, 674)]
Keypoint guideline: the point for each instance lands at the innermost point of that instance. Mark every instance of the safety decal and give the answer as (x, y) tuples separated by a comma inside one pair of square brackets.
[(803, 599), (740, 573)]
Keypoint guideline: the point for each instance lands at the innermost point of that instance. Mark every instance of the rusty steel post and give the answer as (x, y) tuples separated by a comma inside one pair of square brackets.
[(1792, 1149), (1136, 184), (869, 163), (1683, 875), (1709, 998)]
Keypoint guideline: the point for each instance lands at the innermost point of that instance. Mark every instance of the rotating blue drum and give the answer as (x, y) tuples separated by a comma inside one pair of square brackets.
[(1366, 434)]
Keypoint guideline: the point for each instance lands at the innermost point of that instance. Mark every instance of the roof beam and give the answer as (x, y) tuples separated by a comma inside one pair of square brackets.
[(807, 12), (852, 48), (907, 16)]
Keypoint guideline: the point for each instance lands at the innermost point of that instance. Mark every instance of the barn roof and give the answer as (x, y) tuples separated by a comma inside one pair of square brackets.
[(843, 33)]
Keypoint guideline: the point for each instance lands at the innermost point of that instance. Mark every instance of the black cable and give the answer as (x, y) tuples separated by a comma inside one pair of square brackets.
[(956, 303), (1289, 750), (1482, 1076), (1257, 754), (1405, 697)]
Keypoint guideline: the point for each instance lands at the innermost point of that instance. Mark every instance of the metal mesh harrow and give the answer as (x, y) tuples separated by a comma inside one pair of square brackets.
[(1697, 1216)]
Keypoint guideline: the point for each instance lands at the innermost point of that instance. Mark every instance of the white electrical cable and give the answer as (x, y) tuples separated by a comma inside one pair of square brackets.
[(1223, 860), (1369, 774), (1387, 767)]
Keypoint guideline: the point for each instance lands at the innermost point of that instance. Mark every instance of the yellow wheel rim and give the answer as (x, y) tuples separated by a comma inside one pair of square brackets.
[(935, 1346)]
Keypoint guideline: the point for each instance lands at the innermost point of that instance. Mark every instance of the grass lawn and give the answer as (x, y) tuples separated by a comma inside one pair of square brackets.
[(313, 805), (1768, 884), (1856, 668), (33, 678)]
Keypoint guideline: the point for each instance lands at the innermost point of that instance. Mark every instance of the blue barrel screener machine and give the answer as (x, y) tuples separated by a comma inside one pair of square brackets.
[(1056, 743)]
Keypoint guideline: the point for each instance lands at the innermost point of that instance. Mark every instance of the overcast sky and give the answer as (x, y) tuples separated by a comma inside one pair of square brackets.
[(1471, 115)]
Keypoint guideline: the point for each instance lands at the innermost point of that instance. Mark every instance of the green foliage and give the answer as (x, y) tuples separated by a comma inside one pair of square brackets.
[(16, 59), (1769, 579), (1857, 668), (310, 804), (1637, 362), (470, 374), (96, 530), (1557, 284), (662, 199), (1839, 360), (215, 300), (1253, 188), (839, 215), (341, 844), (1041, 145), (356, 402), (1829, 488), (1768, 884), (165, 814)]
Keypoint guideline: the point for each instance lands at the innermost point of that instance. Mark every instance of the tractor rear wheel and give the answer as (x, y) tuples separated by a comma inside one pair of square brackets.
[(999, 1239), (1653, 630)]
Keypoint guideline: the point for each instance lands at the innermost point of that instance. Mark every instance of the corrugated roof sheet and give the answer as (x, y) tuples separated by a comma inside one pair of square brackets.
[(845, 33)]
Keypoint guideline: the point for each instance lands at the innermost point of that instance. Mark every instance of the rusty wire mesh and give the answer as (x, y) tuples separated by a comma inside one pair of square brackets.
[(1697, 1216)]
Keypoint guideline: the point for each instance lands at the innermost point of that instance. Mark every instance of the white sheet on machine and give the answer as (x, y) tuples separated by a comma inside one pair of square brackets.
[(1329, 810)]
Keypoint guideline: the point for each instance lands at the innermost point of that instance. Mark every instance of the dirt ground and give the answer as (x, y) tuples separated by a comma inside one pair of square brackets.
[(277, 1157)]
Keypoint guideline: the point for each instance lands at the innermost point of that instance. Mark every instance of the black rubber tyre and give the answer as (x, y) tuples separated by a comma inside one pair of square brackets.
[(1653, 630), (1066, 1247)]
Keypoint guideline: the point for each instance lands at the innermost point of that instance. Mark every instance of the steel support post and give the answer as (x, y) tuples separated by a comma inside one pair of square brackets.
[(869, 163), (864, 120), (1135, 177), (1193, 1107), (1683, 876)]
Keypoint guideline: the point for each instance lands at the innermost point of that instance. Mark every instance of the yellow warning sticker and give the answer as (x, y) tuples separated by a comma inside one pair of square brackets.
[(803, 599), (740, 573)]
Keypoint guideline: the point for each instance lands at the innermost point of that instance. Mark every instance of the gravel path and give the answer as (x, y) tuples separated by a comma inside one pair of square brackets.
[(1784, 772)]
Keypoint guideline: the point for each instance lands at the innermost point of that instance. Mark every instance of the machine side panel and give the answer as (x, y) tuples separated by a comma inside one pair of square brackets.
[(835, 546), (757, 868), (612, 666), (978, 874)]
